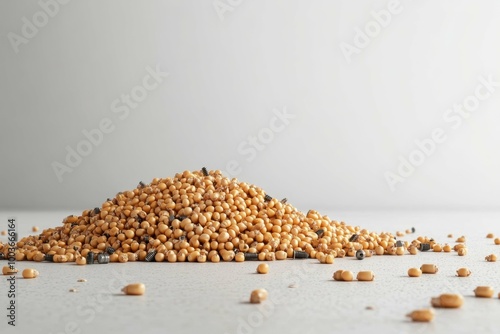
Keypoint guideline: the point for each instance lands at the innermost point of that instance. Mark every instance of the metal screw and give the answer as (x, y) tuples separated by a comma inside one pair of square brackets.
[(412, 230), (204, 171), (353, 238), (110, 250), (141, 185), (300, 255), (399, 243), (49, 257), (103, 258), (424, 247), (284, 200), (320, 232), (267, 198), (150, 257), (90, 257), (360, 254), (251, 257)]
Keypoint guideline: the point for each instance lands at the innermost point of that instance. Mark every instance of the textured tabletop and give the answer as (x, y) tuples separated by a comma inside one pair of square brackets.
[(303, 298)]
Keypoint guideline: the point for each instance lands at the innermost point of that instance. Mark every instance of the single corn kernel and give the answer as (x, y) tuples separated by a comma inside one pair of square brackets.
[(9, 270), (365, 276), (429, 268), (414, 272), (423, 315), (462, 251), (81, 260), (446, 248), (379, 250), (400, 234), (239, 257), (484, 291), (280, 255), (491, 258), (463, 272), (448, 300), (347, 275), (263, 268), (338, 275), (450, 235), (123, 258), (400, 251), (437, 248), (458, 246), (135, 289), (30, 273), (460, 239), (35, 229), (413, 250), (258, 296), (497, 241), (329, 259), (490, 235)]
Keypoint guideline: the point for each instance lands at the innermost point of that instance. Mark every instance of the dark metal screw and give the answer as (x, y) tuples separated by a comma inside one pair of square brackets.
[(360, 254), (424, 247), (353, 238), (171, 218), (300, 255), (103, 258), (110, 250), (284, 200), (49, 257), (2, 256), (150, 257), (204, 171), (141, 185), (267, 198), (320, 232), (90, 257), (251, 257), (96, 211), (399, 243), (412, 230)]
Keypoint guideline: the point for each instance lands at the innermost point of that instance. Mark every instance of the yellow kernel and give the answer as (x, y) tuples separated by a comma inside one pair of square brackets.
[(30, 273), (429, 268), (400, 234), (491, 258), (81, 260), (462, 251), (423, 315), (239, 257), (258, 296), (270, 256), (490, 235), (135, 289), (329, 259), (215, 258), (463, 272), (446, 248), (263, 268), (448, 300), (484, 291), (400, 250), (347, 275), (450, 235), (414, 272), (365, 276), (437, 248), (379, 250), (413, 250), (35, 229), (281, 255), (460, 239), (338, 275), (8, 270), (497, 241)]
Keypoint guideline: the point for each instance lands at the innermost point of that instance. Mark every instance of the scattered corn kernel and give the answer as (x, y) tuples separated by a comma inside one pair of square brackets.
[(423, 315), (484, 291), (258, 296), (490, 235), (365, 276), (462, 251), (30, 273), (35, 229), (81, 280), (4, 232), (81, 260), (460, 239), (448, 300), (429, 268), (437, 248), (446, 248), (497, 241), (491, 258), (450, 235), (281, 255), (400, 234), (347, 275), (8, 270), (135, 289), (73, 290), (414, 272), (338, 275), (463, 272), (263, 268)]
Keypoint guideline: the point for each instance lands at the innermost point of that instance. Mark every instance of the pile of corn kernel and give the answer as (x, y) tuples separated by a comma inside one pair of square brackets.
[(200, 216)]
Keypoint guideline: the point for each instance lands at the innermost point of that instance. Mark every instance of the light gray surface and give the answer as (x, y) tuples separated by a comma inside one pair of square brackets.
[(352, 120), (212, 298)]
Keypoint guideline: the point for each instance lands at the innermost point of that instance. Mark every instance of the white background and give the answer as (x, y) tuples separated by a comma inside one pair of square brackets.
[(227, 73)]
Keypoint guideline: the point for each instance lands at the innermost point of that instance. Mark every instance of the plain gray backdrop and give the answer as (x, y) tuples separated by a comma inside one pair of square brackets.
[(316, 101)]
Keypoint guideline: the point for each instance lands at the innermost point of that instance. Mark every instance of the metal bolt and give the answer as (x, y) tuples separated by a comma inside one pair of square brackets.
[(320, 232), (412, 230), (283, 201), (110, 250), (141, 185), (150, 257), (353, 238), (267, 198), (251, 256), (300, 255), (399, 243), (90, 257), (424, 247), (204, 171), (49, 257), (103, 258), (360, 254)]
